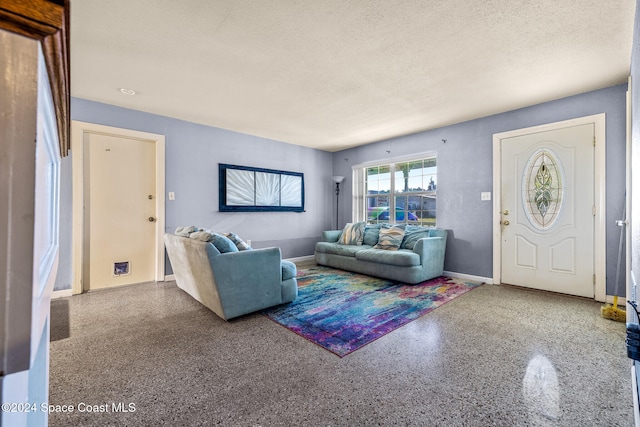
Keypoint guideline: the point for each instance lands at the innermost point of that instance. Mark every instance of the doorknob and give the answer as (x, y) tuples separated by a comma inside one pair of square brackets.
[(151, 219), (505, 212), (505, 222)]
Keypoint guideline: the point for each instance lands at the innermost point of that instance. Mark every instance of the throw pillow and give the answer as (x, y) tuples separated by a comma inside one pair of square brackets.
[(240, 244), (202, 235), (371, 233), (185, 231), (390, 238), (352, 234), (223, 244), (412, 234)]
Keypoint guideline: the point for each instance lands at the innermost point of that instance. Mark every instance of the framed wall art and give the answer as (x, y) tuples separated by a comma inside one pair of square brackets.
[(249, 189)]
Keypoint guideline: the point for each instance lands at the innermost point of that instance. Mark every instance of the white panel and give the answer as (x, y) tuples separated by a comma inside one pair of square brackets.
[(525, 253), (47, 191), (565, 243), (267, 189), (562, 256), (18, 118), (240, 185), (36, 181), (291, 187), (120, 206), (15, 389)]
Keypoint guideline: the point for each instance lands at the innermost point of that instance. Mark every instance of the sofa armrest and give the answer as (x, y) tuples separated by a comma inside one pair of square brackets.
[(431, 251), (245, 268), (331, 236), (248, 280)]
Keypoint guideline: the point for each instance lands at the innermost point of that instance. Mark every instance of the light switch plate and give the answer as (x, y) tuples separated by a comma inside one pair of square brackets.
[(485, 195), (172, 195)]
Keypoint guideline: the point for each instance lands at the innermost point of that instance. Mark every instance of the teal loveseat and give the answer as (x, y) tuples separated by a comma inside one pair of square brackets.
[(418, 258), (231, 283)]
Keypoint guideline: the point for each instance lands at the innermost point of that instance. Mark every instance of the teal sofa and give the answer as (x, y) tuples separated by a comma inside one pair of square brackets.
[(232, 283), (422, 260)]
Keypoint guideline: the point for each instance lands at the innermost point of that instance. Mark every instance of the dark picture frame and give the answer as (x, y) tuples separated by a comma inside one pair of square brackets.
[(249, 189)]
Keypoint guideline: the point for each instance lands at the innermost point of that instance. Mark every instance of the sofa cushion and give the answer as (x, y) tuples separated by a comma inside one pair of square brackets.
[(402, 258), (352, 234), (338, 249), (371, 233), (223, 244), (390, 237), (413, 233), (240, 244), (289, 270)]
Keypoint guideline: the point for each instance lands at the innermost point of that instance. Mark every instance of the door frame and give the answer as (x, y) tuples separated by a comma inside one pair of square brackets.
[(78, 132), (600, 238)]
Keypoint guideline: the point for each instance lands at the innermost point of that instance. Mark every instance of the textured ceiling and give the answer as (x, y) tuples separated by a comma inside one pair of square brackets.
[(333, 74)]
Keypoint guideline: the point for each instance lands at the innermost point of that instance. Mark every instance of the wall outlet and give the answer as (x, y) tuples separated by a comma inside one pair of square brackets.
[(485, 195), (172, 195)]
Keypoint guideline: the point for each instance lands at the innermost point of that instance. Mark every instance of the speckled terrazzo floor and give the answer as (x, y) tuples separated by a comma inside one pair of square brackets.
[(496, 356)]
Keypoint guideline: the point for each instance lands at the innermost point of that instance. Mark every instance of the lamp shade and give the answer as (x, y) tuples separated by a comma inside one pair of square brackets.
[(337, 179)]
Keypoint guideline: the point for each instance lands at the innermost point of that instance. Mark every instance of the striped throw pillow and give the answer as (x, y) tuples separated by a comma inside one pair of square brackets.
[(390, 238), (352, 234)]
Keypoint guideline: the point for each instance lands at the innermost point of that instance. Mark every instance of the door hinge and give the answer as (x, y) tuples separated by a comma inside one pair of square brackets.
[(593, 210), (594, 280), (594, 140)]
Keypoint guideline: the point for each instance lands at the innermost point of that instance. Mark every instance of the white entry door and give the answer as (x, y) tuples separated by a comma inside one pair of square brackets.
[(120, 210), (547, 210)]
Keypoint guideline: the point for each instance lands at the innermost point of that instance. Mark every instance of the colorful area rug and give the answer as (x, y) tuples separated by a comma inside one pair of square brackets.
[(343, 311)]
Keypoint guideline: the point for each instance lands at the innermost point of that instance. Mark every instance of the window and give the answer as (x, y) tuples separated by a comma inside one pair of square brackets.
[(543, 188), (400, 192)]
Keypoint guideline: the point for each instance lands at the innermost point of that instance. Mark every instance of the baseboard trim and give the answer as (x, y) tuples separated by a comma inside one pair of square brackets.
[(301, 258), (468, 277), (63, 293), (169, 278)]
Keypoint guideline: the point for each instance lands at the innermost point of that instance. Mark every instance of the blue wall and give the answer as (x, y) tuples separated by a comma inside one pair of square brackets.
[(193, 152), (465, 168)]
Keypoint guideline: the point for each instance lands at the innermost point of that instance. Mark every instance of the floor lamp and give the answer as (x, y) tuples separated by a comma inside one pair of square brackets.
[(337, 180)]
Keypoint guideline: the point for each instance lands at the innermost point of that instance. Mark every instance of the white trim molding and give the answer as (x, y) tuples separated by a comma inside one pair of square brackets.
[(600, 237), (302, 258), (487, 280), (397, 159), (63, 293)]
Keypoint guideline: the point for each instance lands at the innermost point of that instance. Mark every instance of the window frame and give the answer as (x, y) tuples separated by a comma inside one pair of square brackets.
[(360, 196)]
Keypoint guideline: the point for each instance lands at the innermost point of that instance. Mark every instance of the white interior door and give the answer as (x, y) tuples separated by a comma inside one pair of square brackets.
[(547, 210), (120, 210)]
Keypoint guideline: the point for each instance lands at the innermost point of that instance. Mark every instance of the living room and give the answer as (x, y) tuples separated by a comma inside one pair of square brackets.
[(465, 156), (464, 160)]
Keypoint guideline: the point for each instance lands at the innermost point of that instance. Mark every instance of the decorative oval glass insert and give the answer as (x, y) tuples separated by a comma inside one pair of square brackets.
[(543, 188)]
